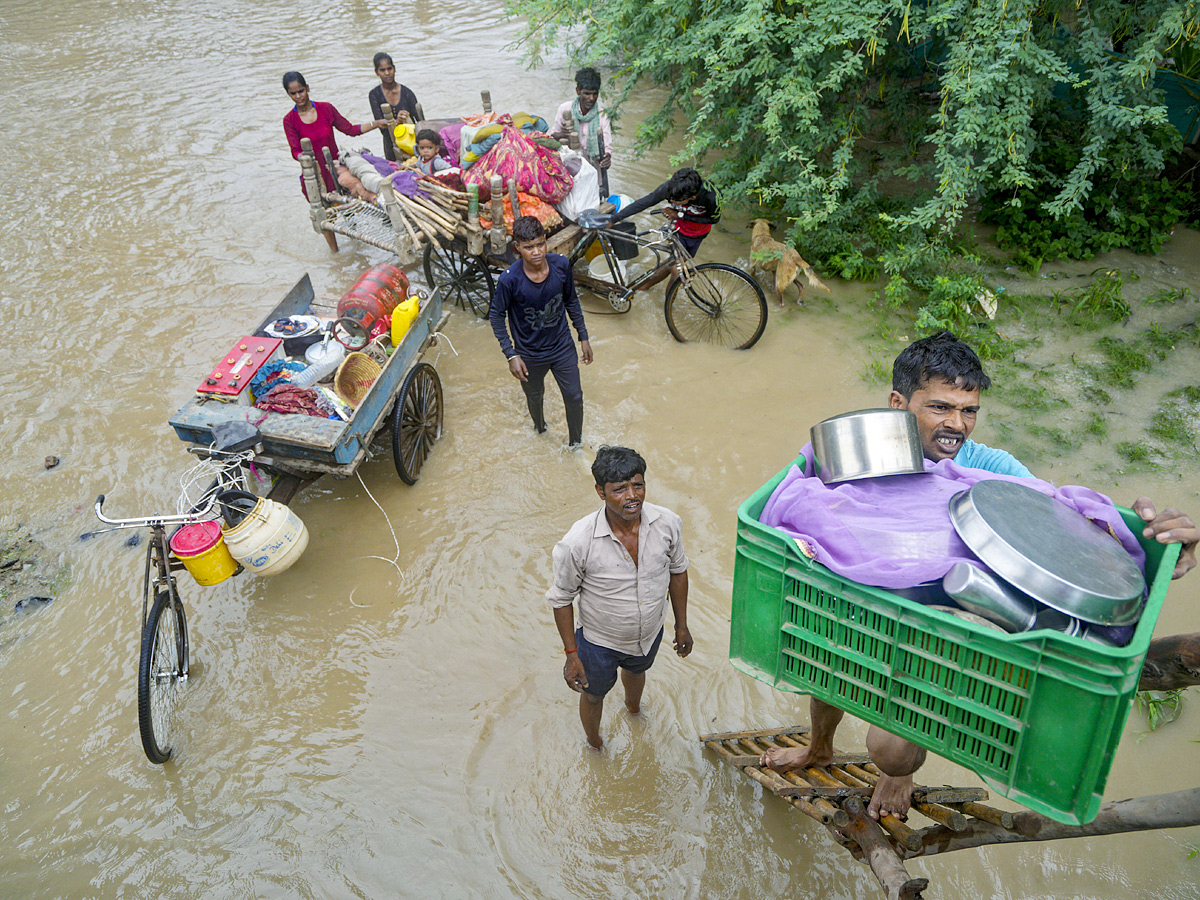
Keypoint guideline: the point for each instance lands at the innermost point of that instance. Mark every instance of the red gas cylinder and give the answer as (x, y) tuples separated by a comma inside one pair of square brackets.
[(375, 294)]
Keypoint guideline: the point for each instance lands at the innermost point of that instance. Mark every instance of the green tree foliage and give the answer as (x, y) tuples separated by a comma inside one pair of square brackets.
[(819, 109)]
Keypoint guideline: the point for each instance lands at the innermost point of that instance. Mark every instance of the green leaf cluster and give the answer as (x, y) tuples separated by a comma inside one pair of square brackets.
[(869, 124)]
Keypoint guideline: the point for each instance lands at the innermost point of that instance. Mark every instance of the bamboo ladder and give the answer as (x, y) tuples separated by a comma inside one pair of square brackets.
[(836, 796)]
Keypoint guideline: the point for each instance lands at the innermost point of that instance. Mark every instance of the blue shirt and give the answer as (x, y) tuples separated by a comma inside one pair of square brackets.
[(537, 313), (974, 455)]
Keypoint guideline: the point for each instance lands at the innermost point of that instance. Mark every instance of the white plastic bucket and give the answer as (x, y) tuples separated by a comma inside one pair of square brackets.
[(268, 540), (598, 268)]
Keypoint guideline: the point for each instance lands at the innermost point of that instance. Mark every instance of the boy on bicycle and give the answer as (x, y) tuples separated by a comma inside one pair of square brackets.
[(692, 204)]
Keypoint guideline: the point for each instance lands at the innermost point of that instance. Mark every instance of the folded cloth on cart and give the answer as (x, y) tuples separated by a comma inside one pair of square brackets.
[(365, 168), (476, 140), (530, 206), (516, 157), (293, 400), (895, 531)]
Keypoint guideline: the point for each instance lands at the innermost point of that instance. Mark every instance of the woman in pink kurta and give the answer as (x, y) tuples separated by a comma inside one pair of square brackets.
[(316, 121)]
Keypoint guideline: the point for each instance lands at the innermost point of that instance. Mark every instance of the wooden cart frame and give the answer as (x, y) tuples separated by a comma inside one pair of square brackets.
[(407, 393)]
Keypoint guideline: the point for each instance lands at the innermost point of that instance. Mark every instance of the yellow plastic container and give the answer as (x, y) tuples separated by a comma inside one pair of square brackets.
[(402, 318), (202, 551), (269, 540)]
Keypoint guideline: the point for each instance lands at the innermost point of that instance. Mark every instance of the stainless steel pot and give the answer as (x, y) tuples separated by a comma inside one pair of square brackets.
[(1049, 551), (867, 443), (977, 591)]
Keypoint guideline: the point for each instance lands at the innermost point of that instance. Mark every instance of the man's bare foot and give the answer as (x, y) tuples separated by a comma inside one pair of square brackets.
[(635, 709), (781, 759), (892, 796), (596, 743)]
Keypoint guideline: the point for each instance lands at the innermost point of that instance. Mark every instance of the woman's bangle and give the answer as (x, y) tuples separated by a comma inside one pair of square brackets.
[(565, 650)]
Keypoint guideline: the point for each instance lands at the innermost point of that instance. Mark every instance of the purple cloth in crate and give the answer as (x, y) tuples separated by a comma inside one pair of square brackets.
[(895, 531)]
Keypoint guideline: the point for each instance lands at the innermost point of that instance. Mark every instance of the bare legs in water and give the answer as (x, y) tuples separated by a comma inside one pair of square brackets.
[(896, 758)]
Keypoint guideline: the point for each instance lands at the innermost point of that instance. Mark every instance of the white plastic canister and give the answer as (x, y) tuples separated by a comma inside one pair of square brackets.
[(268, 540)]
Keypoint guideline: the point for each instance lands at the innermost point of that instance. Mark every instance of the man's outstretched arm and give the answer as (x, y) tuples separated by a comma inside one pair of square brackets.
[(1170, 527)]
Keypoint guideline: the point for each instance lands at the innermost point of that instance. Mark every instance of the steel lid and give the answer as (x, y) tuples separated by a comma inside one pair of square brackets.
[(1050, 551)]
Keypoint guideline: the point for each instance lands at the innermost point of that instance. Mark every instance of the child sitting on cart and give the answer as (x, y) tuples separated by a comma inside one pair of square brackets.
[(429, 157)]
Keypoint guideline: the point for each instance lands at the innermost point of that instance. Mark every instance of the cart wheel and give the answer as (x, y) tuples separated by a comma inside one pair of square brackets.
[(467, 278), (416, 421)]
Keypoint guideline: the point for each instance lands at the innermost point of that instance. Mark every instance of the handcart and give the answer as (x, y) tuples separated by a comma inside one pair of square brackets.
[(294, 449)]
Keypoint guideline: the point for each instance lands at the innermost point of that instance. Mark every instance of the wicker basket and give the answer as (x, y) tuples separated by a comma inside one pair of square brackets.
[(355, 376)]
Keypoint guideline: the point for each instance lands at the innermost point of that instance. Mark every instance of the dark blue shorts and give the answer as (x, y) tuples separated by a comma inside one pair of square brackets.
[(600, 664)]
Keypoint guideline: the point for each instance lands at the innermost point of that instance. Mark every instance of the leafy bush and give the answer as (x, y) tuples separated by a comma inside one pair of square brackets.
[(1128, 204)]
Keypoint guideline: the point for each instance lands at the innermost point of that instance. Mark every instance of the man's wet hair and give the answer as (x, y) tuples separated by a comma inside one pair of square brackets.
[(293, 78), (428, 134), (684, 185), (587, 80), (616, 464), (940, 356), (380, 57), (527, 228)]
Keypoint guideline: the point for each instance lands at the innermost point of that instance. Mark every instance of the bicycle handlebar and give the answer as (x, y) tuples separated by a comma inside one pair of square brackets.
[(199, 515)]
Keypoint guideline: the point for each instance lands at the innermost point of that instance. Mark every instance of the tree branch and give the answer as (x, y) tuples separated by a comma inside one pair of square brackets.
[(1171, 662), (1178, 809), (893, 877)]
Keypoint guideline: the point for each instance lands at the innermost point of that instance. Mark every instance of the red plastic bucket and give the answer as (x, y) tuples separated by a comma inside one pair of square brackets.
[(201, 549)]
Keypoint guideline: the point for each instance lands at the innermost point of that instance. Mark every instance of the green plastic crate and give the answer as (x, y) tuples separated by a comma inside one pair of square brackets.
[(1037, 715)]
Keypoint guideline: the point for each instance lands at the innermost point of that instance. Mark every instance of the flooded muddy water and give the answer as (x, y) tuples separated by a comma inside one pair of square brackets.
[(356, 728)]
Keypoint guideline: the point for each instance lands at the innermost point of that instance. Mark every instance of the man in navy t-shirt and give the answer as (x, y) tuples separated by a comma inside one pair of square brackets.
[(534, 297)]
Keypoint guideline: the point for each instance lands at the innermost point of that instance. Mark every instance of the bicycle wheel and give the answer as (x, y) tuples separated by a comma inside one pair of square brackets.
[(416, 421), (721, 305), (162, 667), (468, 279)]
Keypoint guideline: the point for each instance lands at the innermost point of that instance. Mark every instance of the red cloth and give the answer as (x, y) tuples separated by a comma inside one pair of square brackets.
[(320, 133), (516, 157), (692, 229)]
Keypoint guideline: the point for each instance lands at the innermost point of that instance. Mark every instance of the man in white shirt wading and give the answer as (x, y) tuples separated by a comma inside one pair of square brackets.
[(622, 563)]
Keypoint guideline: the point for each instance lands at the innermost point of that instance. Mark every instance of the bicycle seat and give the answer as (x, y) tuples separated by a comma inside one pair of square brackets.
[(593, 219), (235, 436)]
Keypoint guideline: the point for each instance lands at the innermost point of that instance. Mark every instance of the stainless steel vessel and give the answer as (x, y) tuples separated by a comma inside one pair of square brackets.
[(981, 593), (867, 443), (1049, 551)]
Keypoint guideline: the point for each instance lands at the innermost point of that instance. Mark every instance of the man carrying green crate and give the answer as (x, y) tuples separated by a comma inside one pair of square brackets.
[(622, 563), (939, 380)]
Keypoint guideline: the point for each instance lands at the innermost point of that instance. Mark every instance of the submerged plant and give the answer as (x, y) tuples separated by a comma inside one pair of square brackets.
[(1160, 707), (1101, 301)]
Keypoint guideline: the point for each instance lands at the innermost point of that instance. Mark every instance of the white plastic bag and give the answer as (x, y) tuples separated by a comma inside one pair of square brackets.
[(585, 192)]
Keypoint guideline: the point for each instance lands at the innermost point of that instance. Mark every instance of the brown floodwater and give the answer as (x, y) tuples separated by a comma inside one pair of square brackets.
[(356, 728)]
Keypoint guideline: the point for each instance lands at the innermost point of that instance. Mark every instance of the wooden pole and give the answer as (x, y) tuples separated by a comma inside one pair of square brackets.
[(486, 96), (314, 187), (498, 233), (421, 216), (1171, 662), (516, 202), (392, 205), (1179, 809), (897, 884), (569, 127), (771, 784), (1000, 817)]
